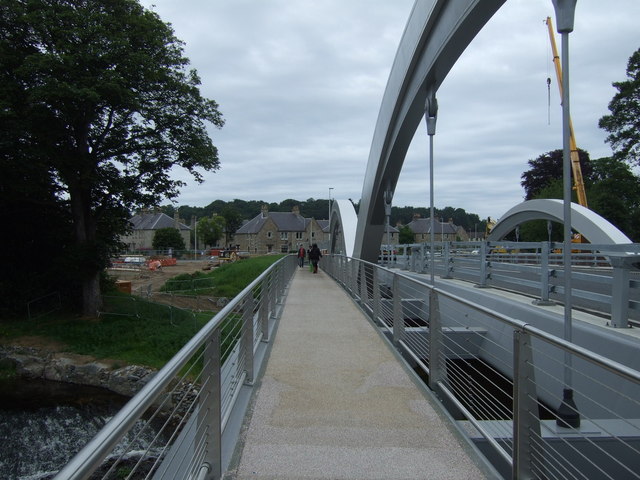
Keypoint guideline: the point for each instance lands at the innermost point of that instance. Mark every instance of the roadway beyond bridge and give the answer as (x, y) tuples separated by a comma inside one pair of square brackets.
[(334, 402)]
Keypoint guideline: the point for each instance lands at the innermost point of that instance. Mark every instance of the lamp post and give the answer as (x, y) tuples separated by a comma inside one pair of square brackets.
[(568, 415), (330, 246)]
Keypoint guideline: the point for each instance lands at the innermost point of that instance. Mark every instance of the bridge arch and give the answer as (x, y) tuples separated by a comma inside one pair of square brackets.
[(342, 227), (436, 34), (591, 225)]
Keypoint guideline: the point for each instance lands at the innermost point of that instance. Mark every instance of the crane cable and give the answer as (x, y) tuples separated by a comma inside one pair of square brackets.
[(548, 81), (548, 100)]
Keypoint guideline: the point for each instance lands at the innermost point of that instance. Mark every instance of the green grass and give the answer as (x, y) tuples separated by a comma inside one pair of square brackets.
[(227, 280), (136, 331)]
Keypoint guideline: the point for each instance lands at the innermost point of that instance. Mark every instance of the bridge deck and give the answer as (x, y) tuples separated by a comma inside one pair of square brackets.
[(335, 403)]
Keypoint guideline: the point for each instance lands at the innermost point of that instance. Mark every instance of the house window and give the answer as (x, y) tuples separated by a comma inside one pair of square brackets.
[(284, 235), (299, 235), (269, 234), (284, 248)]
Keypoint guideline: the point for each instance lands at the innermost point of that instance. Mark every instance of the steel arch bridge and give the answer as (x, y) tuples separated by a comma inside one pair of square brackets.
[(436, 34)]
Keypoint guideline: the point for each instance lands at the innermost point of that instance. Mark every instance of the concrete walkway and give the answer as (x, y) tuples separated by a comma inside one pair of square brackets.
[(335, 403)]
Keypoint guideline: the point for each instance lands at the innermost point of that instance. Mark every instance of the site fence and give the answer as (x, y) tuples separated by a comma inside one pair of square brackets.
[(199, 397), (537, 406)]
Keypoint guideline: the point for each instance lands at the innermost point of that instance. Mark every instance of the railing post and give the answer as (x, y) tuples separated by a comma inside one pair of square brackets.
[(398, 318), (209, 411), (620, 291), (545, 273), (353, 271), (448, 261), (279, 284), (247, 337), (526, 421), (375, 285), (437, 363), (484, 266), (364, 295), (264, 308)]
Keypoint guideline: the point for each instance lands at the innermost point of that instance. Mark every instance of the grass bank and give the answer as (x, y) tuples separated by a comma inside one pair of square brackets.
[(152, 337)]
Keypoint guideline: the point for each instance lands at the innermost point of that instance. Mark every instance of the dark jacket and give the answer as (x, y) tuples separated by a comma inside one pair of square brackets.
[(314, 253)]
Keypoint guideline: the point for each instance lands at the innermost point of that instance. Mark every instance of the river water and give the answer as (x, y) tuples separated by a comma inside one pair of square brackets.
[(43, 424)]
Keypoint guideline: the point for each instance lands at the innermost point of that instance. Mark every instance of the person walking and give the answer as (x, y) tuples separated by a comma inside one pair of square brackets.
[(301, 254), (315, 256)]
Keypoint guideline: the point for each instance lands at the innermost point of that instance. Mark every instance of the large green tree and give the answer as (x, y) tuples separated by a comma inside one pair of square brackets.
[(211, 229), (166, 238), (623, 123), (100, 101), (547, 168)]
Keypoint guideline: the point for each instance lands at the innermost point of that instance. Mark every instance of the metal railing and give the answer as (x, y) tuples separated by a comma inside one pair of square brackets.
[(605, 278), (537, 406), (194, 402)]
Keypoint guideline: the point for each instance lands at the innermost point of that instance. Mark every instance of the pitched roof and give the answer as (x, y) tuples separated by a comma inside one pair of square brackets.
[(285, 222), (423, 225), (155, 221)]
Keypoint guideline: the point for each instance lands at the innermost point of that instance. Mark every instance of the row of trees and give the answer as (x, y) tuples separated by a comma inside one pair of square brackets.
[(220, 218)]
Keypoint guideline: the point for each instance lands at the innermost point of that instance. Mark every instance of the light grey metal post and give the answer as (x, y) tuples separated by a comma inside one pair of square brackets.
[(364, 296), (264, 308), (431, 116), (620, 291), (353, 271), (247, 337), (545, 273), (437, 365), (484, 266), (526, 421), (209, 412), (448, 261), (398, 319), (565, 11), (375, 285), (388, 198)]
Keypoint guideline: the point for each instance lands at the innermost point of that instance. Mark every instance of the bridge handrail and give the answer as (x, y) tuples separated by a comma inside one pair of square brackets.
[(270, 286), (463, 346), (541, 262)]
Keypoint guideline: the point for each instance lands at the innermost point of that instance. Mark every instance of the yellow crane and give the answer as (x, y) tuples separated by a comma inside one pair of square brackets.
[(575, 159)]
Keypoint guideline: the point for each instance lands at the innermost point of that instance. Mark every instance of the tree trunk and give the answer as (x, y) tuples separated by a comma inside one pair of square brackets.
[(91, 297), (85, 233)]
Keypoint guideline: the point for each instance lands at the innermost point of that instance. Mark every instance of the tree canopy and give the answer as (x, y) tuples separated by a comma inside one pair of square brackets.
[(623, 123), (211, 229), (547, 168), (100, 107), (165, 238)]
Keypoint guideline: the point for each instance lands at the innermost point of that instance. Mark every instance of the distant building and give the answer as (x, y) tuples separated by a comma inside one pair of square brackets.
[(443, 231), (280, 232), (145, 225)]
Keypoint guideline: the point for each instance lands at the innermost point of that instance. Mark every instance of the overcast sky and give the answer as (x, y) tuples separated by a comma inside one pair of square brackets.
[(300, 83)]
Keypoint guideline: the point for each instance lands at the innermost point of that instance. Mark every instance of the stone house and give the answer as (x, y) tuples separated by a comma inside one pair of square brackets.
[(443, 231), (145, 225), (280, 232)]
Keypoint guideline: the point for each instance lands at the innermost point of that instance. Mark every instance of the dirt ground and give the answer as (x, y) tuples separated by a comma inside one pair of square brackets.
[(141, 279)]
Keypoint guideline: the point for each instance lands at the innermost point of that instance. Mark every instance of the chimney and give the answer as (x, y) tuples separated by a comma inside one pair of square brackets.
[(295, 210), (176, 220), (416, 216), (264, 211), (451, 221)]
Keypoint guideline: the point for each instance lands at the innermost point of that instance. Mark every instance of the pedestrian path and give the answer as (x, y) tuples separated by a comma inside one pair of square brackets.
[(335, 403)]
